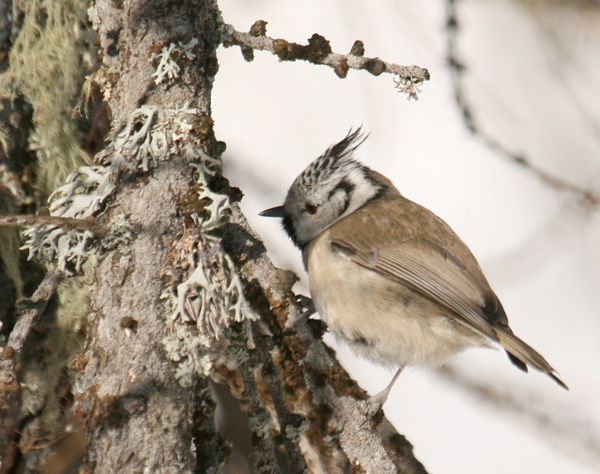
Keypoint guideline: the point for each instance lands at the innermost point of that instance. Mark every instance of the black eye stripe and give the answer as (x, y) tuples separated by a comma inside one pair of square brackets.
[(348, 188), (345, 186)]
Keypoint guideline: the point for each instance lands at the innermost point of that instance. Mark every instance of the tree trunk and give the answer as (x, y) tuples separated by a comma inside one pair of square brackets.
[(184, 294), (139, 418)]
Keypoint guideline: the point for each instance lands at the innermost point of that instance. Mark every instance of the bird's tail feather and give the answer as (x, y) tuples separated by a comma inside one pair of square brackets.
[(517, 349)]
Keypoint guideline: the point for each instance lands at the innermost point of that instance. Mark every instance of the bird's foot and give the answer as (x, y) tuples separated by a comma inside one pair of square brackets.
[(308, 308), (375, 403)]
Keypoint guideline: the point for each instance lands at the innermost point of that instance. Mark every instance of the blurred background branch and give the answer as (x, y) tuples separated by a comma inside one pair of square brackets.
[(458, 69)]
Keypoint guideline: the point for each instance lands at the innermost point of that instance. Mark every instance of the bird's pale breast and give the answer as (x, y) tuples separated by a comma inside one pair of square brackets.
[(378, 318)]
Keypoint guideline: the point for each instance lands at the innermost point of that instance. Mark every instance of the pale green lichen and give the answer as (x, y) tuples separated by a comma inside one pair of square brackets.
[(190, 350), (141, 144), (9, 257), (206, 304), (211, 297), (81, 197), (120, 231), (45, 68), (74, 296), (411, 86), (168, 67)]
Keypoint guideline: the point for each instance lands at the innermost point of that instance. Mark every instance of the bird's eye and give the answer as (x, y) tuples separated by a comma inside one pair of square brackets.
[(311, 208)]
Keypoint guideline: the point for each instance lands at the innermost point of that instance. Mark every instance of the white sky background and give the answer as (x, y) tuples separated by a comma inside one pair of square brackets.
[(532, 81)]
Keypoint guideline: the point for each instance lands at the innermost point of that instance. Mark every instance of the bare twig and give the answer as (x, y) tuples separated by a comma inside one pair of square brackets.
[(34, 308), (457, 69), (65, 222), (318, 51)]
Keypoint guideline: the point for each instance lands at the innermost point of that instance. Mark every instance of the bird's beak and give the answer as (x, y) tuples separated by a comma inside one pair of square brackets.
[(273, 212)]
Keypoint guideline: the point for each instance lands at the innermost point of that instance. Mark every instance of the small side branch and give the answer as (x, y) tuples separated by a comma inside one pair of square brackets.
[(318, 51), (67, 223), (457, 69), (13, 368), (34, 307)]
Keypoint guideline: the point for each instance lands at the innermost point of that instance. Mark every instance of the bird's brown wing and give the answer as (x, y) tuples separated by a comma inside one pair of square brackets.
[(419, 250), (428, 269)]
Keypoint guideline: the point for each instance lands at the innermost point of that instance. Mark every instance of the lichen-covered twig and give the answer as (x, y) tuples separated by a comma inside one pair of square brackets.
[(80, 198), (318, 51), (11, 367), (457, 70)]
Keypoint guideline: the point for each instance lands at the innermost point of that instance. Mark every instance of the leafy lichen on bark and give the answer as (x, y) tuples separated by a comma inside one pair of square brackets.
[(129, 388)]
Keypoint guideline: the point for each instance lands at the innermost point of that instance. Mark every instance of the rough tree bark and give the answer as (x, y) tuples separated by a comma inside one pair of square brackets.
[(184, 293)]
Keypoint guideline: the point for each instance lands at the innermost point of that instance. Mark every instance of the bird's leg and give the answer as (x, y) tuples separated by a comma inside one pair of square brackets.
[(377, 401)]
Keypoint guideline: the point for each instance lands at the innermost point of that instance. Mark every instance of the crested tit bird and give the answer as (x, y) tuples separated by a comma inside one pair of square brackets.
[(390, 278)]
